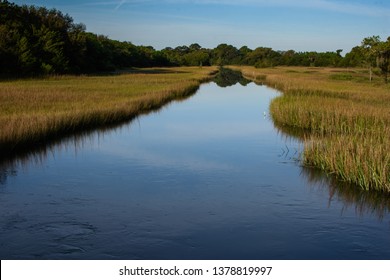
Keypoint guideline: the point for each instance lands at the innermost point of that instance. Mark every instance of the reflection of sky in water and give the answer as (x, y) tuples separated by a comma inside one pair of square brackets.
[(204, 178), (199, 133)]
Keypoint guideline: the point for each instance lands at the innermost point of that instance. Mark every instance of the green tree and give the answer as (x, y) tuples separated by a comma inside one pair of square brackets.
[(383, 58), (370, 51), (197, 58), (244, 53), (354, 58), (225, 54), (194, 47), (263, 57), (27, 60), (53, 54)]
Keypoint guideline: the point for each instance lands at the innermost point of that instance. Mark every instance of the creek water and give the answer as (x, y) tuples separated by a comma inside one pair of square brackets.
[(209, 177)]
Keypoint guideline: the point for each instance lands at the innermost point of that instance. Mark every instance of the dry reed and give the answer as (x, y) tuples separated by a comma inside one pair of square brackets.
[(347, 119), (33, 111)]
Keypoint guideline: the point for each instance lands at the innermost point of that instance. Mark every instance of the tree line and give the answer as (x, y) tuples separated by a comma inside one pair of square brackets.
[(37, 40)]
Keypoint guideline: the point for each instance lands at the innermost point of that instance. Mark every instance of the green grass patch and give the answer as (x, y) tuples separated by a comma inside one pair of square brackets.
[(341, 77)]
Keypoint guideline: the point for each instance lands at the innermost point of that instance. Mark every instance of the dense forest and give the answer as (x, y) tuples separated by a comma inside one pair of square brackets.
[(36, 40)]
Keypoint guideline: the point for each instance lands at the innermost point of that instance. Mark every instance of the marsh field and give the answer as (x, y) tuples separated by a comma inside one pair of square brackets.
[(33, 111), (342, 118), (196, 163)]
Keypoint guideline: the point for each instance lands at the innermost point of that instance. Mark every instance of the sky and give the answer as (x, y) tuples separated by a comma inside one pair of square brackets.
[(301, 25)]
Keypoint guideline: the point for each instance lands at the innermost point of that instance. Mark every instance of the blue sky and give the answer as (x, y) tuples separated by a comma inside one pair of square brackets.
[(302, 25)]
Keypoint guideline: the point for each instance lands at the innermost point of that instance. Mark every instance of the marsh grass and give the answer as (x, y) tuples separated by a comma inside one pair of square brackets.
[(346, 120), (33, 111)]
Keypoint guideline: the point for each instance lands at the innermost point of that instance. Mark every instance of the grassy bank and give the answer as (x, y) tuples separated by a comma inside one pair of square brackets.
[(33, 111), (346, 120)]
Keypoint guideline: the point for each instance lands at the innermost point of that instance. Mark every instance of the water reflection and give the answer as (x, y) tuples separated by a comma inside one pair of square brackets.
[(364, 202), (38, 153), (227, 77), (352, 196), (209, 178)]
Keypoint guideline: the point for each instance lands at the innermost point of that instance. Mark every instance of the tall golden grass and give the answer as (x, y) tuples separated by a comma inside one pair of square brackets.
[(33, 111), (345, 116)]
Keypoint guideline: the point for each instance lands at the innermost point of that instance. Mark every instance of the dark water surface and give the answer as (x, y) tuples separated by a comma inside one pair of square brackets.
[(206, 178)]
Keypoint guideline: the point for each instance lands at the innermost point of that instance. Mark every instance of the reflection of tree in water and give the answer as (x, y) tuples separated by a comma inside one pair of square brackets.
[(227, 77), (364, 202)]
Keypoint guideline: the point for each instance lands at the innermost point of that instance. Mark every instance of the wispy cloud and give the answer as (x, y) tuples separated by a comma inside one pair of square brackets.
[(101, 3), (118, 3), (346, 7), (350, 7)]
